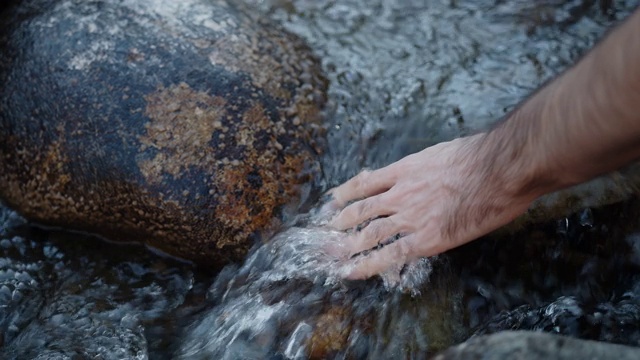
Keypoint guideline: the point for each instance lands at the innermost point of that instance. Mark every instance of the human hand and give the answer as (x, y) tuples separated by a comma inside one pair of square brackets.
[(434, 200)]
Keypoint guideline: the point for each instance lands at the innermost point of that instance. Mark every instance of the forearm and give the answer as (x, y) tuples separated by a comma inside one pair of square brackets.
[(582, 124)]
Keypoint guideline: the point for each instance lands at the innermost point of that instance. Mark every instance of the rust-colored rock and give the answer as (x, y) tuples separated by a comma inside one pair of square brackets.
[(331, 333), (188, 124)]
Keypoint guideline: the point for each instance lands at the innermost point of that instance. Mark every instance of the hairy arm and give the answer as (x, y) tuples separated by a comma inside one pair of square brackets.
[(584, 123)]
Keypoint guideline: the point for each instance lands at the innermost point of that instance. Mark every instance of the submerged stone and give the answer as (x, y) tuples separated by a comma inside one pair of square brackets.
[(187, 125), (69, 297), (527, 345), (287, 300)]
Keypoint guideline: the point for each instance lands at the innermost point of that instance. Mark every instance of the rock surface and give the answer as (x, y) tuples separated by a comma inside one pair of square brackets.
[(186, 125), (525, 345)]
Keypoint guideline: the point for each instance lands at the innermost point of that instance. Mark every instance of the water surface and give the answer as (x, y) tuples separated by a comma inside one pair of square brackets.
[(403, 75)]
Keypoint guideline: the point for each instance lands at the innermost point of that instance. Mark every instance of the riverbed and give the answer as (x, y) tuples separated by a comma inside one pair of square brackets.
[(403, 75)]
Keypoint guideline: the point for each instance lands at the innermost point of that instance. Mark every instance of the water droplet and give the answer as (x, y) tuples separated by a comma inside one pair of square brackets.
[(562, 226), (586, 218)]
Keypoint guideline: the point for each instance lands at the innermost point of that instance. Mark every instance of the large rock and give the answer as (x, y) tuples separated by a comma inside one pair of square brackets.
[(188, 125)]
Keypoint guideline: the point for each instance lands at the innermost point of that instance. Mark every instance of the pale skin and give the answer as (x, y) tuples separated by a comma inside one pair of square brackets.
[(584, 123)]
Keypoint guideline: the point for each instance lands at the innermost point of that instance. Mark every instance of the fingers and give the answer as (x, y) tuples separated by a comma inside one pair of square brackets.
[(361, 211), (398, 253), (394, 254), (377, 232), (363, 185)]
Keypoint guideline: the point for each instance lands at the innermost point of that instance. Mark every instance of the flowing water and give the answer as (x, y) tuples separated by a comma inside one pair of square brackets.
[(403, 75), (288, 299)]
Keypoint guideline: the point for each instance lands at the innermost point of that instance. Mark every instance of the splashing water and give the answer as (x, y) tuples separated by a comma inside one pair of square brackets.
[(289, 299), (309, 249)]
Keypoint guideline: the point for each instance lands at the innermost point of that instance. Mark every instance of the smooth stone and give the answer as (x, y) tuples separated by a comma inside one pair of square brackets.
[(188, 125), (527, 345)]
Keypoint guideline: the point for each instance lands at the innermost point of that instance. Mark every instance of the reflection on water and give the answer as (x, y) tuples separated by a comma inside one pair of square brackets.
[(404, 74)]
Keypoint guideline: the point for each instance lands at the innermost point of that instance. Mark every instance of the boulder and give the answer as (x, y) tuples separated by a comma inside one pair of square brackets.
[(187, 125)]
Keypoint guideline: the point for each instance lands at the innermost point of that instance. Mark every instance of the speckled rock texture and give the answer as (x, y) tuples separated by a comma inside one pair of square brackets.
[(526, 345), (188, 125)]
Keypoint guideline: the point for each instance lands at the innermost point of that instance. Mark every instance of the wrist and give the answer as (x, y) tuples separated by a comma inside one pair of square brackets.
[(528, 148), (510, 158), (490, 187)]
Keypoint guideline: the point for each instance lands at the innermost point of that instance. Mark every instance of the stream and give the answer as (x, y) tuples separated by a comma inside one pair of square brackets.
[(404, 74)]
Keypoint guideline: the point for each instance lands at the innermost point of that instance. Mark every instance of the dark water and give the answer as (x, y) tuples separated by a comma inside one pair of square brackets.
[(65, 295), (404, 75)]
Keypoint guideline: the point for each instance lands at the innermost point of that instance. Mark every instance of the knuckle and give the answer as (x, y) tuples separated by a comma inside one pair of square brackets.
[(364, 208), (365, 173), (360, 180), (374, 230), (382, 228), (352, 212)]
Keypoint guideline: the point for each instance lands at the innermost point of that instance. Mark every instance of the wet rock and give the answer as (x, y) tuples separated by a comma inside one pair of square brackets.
[(67, 297), (615, 322), (604, 190), (576, 276), (187, 125), (533, 345), (286, 300)]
